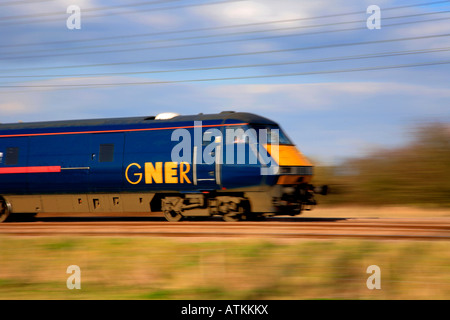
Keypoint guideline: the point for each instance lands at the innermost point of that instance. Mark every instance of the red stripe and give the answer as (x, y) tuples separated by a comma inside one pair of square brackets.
[(121, 130), (41, 169)]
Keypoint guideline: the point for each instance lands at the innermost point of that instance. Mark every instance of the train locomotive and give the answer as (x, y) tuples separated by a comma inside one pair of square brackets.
[(181, 165)]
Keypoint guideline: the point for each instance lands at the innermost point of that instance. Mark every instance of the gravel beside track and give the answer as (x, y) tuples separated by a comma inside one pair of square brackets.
[(271, 228)]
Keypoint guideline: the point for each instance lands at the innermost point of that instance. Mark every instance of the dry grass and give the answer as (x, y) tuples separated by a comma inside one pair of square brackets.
[(148, 268)]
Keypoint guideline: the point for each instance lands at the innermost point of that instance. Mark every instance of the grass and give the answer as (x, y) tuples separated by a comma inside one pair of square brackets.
[(149, 268)]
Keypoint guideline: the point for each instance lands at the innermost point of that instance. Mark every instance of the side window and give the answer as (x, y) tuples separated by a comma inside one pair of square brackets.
[(211, 135), (106, 153), (239, 135), (12, 156)]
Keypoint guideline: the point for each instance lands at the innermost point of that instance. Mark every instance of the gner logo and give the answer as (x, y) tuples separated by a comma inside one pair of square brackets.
[(173, 172)]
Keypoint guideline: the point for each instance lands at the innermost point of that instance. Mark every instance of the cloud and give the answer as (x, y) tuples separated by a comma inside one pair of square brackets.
[(326, 114), (53, 6), (14, 108), (247, 12), (316, 96), (265, 10), (281, 99), (160, 20)]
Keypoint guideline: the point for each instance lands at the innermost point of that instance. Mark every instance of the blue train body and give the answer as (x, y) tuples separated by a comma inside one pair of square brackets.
[(127, 161)]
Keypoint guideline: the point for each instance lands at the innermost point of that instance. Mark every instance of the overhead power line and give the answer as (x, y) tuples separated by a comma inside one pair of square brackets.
[(6, 23), (98, 85), (231, 54), (295, 62), (18, 2), (246, 53), (9, 20), (15, 57), (128, 36), (240, 33), (84, 10)]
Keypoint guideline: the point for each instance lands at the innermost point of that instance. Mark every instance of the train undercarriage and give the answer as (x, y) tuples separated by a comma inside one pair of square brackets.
[(293, 200), (231, 206)]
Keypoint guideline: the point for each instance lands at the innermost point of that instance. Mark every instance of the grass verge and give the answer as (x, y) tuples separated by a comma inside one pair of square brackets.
[(149, 268)]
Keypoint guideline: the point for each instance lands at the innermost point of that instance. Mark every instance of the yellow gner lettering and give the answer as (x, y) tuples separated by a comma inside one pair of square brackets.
[(135, 174), (183, 175), (170, 170), (153, 172)]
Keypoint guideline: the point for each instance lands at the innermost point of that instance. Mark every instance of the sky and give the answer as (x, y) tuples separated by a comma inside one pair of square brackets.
[(337, 88)]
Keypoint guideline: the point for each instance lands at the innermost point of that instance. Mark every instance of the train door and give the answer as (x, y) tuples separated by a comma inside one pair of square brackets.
[(207, 160), (106, 162), (242, 166), (69, 152)]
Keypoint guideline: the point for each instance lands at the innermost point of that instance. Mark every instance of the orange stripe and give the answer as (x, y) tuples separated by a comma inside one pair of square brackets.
[(113, 131), (41, 169), (289, 156)]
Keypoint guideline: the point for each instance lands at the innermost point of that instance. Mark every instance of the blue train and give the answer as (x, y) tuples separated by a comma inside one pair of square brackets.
[(236, 165)]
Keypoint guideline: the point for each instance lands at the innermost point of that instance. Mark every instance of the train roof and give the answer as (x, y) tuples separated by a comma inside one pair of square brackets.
[(225, 115)]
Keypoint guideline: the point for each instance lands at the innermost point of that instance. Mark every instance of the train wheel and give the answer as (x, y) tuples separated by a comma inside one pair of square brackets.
[(172, 216), (4, 210), (234, 216), (171, 206)]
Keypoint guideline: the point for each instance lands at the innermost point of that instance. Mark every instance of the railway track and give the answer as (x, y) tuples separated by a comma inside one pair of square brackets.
[(273, 228)]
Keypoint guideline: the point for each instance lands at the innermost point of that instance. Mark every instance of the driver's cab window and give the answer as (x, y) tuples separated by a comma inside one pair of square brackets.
[(239, 135), (211, 135)]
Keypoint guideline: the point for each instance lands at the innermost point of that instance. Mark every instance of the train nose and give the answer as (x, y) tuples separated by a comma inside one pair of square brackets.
[(295, 168), (288, 155)]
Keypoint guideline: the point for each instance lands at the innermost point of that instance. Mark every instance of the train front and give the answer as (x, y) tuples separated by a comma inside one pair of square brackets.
[(292, 190)]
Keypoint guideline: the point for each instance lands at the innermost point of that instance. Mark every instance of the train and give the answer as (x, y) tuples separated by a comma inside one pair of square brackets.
[(236, 165)]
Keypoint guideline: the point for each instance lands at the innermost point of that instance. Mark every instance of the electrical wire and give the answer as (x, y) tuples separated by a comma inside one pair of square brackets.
[(98, 85), (237, 54), (295, 62), (128, 36), (102, 9), (230, 55), (14, 3), (15, 53)]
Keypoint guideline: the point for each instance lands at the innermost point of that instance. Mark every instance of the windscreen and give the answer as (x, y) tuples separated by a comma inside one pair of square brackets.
[(271, 135)]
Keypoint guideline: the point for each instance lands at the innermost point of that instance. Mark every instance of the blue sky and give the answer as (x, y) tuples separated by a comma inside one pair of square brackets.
[(330, 115)]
